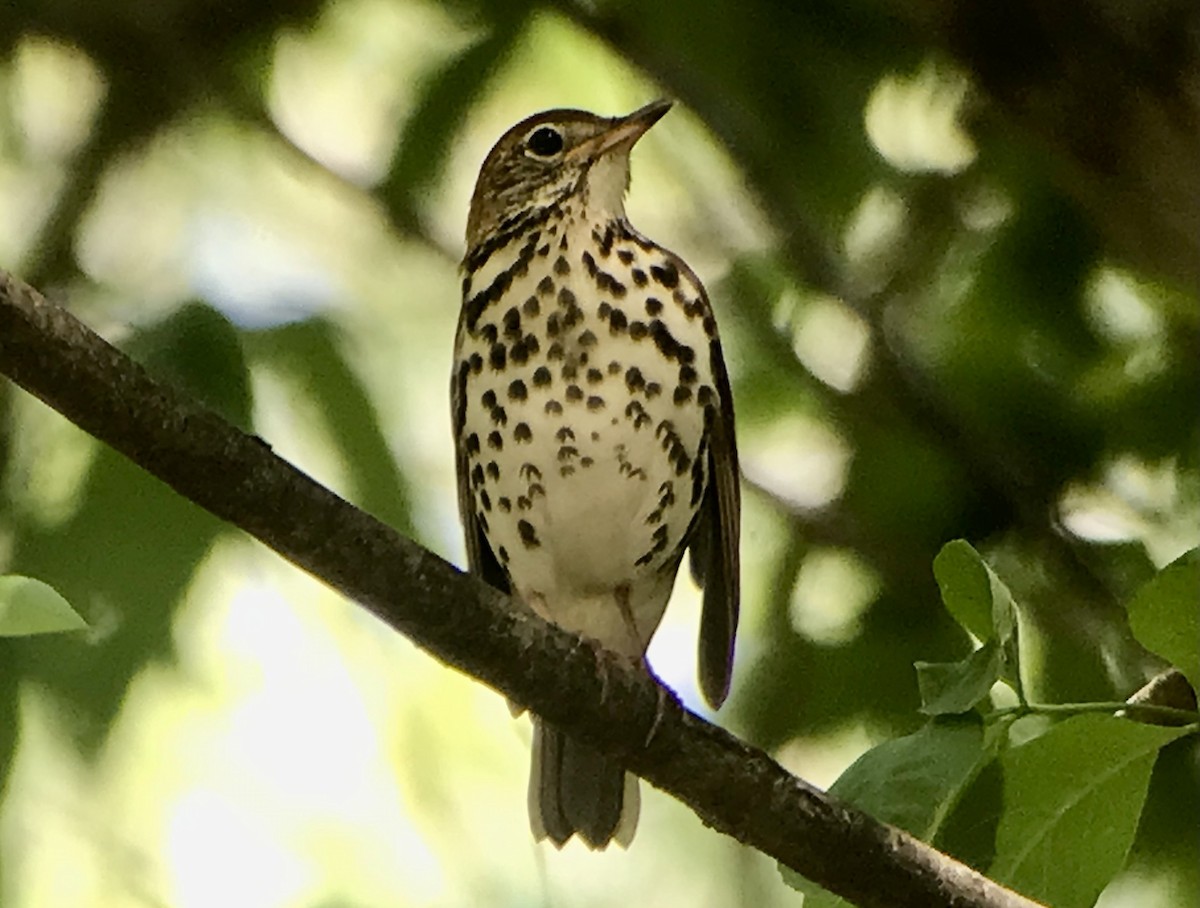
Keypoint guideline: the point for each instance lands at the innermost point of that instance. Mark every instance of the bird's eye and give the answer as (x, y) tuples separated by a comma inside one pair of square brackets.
[(545, 142)]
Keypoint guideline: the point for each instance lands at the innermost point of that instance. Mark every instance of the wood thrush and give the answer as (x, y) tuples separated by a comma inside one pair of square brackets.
[(593, 426)]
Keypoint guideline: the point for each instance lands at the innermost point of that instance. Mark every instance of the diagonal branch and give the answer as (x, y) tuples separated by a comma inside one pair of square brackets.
[(733, 787)]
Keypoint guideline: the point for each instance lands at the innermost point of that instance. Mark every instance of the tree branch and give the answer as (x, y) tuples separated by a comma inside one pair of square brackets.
[(733, 787)]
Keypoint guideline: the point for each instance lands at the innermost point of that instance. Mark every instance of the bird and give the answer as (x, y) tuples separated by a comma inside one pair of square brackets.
[(593, 428)]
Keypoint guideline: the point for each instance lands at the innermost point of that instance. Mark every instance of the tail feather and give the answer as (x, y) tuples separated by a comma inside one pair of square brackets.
[(574, 788)]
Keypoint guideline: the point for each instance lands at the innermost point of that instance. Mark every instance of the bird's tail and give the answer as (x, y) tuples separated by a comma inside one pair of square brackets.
[(573, 788)]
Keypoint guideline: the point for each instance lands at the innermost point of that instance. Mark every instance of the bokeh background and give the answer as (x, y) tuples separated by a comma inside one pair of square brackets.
[(954, 252)]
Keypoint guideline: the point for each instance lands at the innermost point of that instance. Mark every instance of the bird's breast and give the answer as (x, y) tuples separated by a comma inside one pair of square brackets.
[(585, 385)]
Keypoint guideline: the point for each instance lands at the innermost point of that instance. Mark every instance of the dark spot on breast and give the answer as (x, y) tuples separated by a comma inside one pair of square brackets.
[(555, 352), (653, 389), (687, 374), (476, 363), (561, 265), (490, 333), (710, 325), (477, 475), (595, 403), (625, 255), (594, 376), (603, 310), (517, 390), (654, 306), (666, 274), (528, 534), (476, 305), (682, 394), (545, 286), (565, 434), (473, 443), (499, 416), (666, 493), (586, 462), (495, 442), (553, 407), (678, 455), (531, 307), (636, 412), (589, 263), (503, 553), (485, 499), (488, 399), (567, 452), (639, 277), (609, 284), (504, 503), (704, 397), (519, 353), (566, 298), (638, 330), (498, 357), (512, 322), (614, 367), (523, 503), (574, 392), (663, 339), (553, 326), (587, 338), (522, 432), (541, 377), (618, 322), (570, 369), (634, 378), (493, 470)]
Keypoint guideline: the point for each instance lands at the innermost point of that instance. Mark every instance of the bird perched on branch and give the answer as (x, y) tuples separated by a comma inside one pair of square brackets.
[(593, 426)]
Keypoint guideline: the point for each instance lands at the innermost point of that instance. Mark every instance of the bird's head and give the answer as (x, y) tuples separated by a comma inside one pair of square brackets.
[(553, 155)]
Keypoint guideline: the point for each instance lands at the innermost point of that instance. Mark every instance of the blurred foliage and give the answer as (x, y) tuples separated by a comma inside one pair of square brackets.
[(962, 305)]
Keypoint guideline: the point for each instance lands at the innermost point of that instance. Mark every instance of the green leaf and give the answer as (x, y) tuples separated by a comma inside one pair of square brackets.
[(975, 597), (981, 602), (911, 782), (1072, 800), (956, 687), (966, 586), (1165, 615), (28, 606)]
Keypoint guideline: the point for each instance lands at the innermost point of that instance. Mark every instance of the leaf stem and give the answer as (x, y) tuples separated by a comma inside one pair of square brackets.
[(1025, 709)]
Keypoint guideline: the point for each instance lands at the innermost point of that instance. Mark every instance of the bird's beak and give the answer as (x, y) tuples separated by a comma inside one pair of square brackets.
[(622, 132)]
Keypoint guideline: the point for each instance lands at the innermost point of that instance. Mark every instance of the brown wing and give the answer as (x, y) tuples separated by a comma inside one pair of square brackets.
[(714, 551), (481, 560)]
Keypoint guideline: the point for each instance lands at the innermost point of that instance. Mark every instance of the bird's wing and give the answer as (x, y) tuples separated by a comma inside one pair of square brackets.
[(714, 551), (481, 560)]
